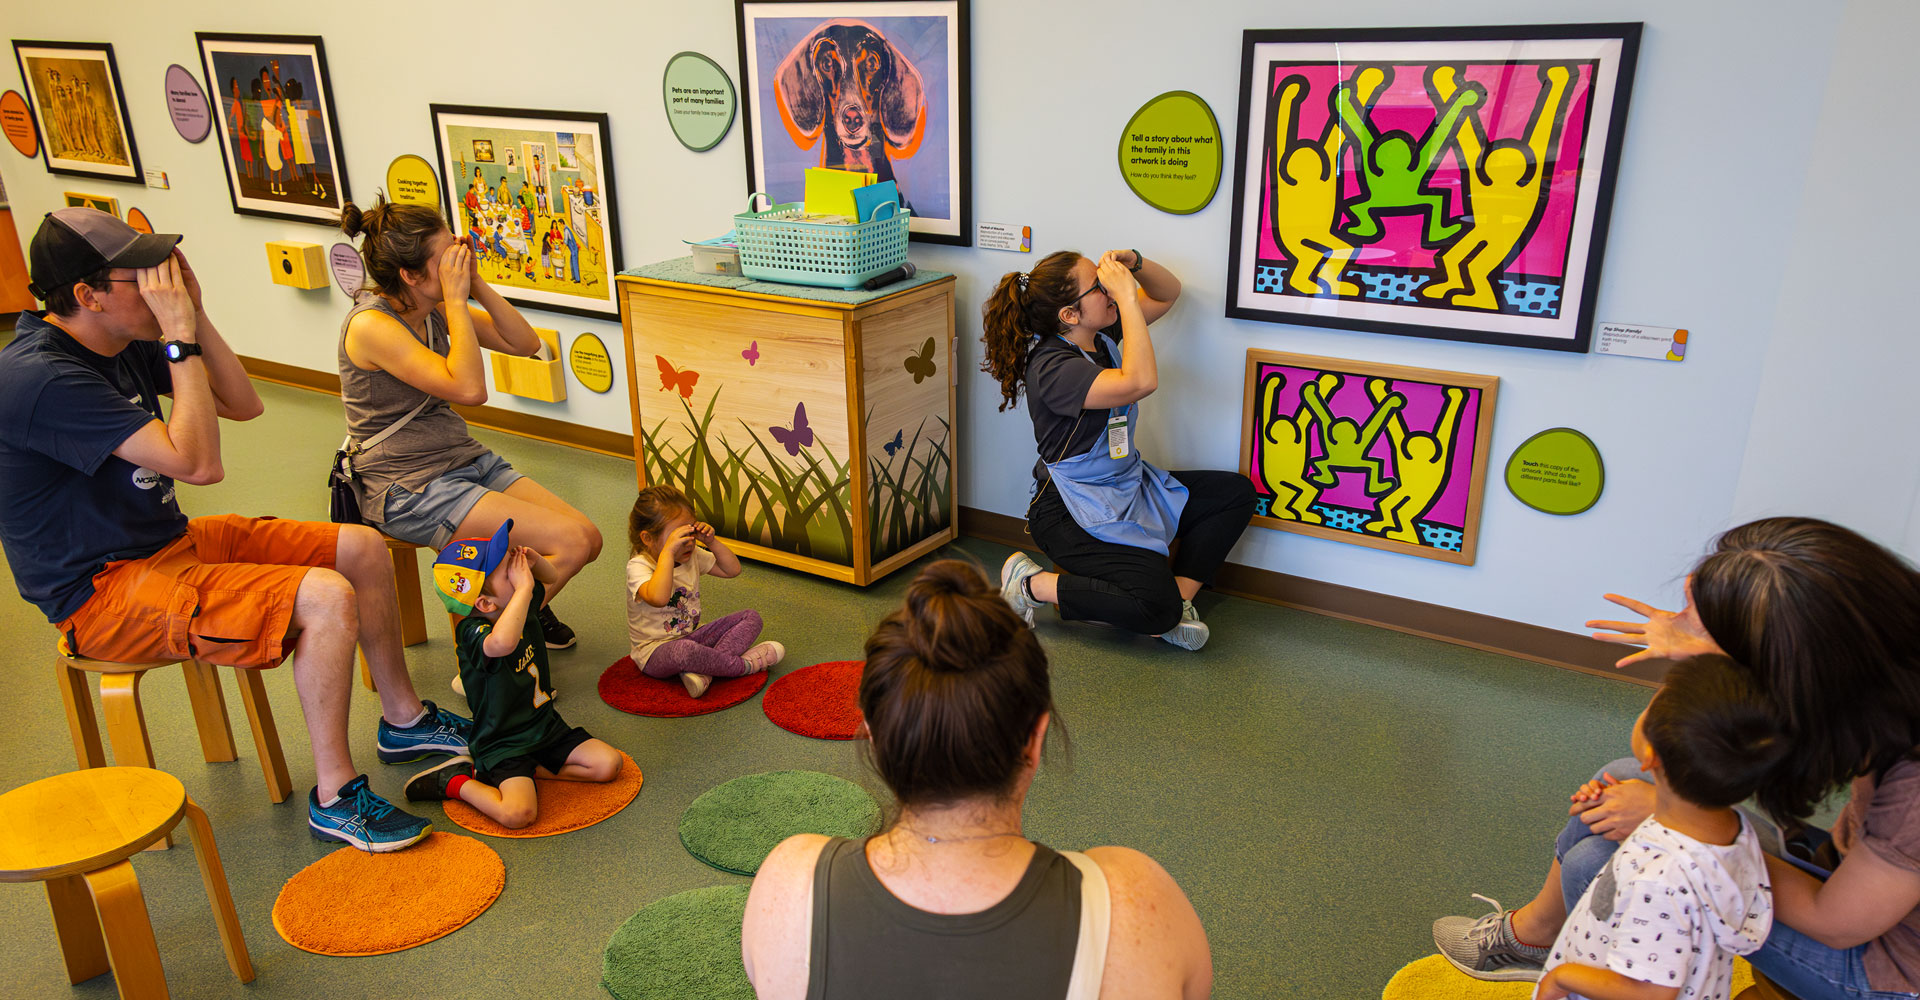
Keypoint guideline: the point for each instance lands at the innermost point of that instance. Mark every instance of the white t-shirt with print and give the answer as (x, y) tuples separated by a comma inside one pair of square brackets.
[(648, 626), (1672, 911)]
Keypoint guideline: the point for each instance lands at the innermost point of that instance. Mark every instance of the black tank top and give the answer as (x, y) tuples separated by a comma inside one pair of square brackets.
[(867, 943)]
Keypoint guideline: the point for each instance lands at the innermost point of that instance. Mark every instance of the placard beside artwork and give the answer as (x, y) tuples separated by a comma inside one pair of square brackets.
[(187, 104), (411, 181), (16, 120), (349, 271), (138, 221), (591, 364), (1557, 471), (1385, 456), (700, 100), (1170, 153)]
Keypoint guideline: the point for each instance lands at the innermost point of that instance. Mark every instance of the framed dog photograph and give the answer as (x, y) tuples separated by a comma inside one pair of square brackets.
[(74, 89), (533, 191), (279, 133), (876, 86), (1451, 183)]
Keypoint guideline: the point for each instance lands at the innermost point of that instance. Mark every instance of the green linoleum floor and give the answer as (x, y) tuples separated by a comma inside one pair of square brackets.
[(1321, 789)]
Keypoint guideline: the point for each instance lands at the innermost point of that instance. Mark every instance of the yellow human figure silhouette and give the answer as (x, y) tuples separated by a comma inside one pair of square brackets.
[(1504, 182), (1420, 462), (1283, 457), (1306, 192)]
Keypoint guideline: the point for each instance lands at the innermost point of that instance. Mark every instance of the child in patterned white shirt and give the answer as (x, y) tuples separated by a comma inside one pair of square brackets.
[(671, 551), (1687, 890)]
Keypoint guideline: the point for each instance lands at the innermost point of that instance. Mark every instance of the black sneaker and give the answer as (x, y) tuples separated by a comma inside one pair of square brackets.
[(559, 636), (430, 785)]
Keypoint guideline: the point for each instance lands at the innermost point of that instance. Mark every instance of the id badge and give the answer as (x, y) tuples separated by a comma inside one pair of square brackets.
[(1117, 437)]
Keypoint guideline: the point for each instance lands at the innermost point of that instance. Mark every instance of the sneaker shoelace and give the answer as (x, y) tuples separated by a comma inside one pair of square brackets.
[(372, 806), (1485, 934)]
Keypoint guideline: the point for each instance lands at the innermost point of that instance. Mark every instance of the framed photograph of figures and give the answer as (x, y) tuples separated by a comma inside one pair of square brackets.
[(1450, 183), (878, 86), (279, 133), (534, 191), (74, 90)]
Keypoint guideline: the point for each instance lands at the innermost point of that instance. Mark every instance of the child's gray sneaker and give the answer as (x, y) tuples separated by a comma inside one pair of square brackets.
[(1485, 947)]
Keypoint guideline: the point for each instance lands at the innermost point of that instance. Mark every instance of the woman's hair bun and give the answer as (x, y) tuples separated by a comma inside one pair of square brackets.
[(954, 618)]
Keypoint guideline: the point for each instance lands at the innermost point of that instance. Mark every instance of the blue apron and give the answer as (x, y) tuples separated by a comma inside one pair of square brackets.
[(1122, 501)]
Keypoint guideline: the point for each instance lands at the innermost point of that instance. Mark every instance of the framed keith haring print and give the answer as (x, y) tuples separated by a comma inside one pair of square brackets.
[(1451, 183)]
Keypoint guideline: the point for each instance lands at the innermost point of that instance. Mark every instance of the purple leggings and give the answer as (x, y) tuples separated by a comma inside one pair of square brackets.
[(712, 649)]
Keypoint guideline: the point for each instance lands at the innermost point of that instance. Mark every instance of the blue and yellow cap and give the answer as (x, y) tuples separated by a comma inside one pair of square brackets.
[(460, 571)]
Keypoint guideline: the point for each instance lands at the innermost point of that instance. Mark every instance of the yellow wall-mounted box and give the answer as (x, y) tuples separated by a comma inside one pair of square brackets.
[(533, 378), (302, 265)]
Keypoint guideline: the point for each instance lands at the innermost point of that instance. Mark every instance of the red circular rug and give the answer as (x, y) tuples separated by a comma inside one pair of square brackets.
[(624, 687), (821, 701)]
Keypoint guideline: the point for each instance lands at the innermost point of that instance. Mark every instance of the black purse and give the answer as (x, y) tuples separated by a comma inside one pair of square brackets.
[(342, 488)]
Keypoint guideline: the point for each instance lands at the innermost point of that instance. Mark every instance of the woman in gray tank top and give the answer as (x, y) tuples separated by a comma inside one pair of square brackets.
[(409, 350), (952, 900)]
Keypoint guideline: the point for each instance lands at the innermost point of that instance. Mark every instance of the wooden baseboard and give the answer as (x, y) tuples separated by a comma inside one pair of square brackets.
[(1465, 628), (493, 418)]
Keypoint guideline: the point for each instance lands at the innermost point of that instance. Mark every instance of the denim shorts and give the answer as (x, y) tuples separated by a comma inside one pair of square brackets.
[(431, 516)]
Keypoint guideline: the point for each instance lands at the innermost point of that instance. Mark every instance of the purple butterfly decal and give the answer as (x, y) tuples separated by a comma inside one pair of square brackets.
[(800, 436), (752, 353), (899, 439)]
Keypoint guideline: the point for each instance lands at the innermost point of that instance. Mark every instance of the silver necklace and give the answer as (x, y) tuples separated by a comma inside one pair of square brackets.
[(955, 840)]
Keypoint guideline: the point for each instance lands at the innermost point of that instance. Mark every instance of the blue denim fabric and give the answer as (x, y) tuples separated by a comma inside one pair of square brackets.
[(431, 516)]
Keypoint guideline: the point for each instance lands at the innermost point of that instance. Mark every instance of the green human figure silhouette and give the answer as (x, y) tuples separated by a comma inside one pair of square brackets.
[(1283, 458), (1420, 463), (1344, 441), (1395, 174)]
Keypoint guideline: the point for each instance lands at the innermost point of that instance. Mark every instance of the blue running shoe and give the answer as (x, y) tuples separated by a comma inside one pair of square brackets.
[(364, 820), (437, 732)]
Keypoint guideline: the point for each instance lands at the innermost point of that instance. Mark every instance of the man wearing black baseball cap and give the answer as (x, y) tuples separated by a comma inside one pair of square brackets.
[(95, 537)]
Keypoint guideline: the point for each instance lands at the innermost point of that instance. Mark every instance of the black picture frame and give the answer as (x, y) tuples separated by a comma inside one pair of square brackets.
[(289, 204), (1453, 295), (131, 172), (954, 228), (600, 306)]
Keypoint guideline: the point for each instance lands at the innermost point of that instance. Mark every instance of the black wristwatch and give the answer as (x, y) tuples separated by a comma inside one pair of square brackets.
[(1138, 262), (177, 351)]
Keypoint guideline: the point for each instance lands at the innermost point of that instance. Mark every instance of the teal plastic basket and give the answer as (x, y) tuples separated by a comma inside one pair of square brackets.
[(774, 246)]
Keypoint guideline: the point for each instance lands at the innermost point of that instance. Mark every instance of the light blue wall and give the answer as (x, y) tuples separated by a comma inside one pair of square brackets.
[(1728, 98)]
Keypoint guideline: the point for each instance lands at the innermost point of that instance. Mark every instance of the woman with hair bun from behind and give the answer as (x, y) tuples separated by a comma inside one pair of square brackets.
[(952, 899)]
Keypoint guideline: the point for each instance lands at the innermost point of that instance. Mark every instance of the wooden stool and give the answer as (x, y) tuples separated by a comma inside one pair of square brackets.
[(407, 593), (127, 723), (75, 832)]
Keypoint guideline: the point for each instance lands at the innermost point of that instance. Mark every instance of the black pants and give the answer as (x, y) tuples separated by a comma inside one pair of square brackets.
[(1131, 587)]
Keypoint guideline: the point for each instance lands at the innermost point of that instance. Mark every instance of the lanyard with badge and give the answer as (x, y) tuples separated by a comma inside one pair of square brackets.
[(1117, 443)]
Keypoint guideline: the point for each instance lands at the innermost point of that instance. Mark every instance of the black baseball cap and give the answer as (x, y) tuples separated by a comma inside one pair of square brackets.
[(75, 242)]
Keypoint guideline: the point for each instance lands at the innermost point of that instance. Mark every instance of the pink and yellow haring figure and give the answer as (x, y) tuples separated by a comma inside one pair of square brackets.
[(1443, 186)]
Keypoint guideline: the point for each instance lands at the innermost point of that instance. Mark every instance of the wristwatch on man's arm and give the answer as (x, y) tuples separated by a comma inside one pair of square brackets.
[(177, 351)]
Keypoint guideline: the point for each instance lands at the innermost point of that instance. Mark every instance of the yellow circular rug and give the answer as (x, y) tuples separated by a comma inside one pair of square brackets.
[(565, 806), (1432, 978), (354, 903)]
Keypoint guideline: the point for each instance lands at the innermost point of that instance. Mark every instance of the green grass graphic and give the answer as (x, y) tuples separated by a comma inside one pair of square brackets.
[(909, 497)]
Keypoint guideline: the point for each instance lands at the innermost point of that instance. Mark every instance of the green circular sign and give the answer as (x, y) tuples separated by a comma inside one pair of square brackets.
[(1170, 153), (1557, 471), (700, 101)]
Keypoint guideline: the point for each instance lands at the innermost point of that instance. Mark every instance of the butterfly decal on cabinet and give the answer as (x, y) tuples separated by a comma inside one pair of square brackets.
[(921, 365), (799, 436), (752, 354), (899, 440), (672, 378)]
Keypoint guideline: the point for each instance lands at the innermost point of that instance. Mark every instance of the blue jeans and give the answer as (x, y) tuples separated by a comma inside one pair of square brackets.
[(1802, 966)]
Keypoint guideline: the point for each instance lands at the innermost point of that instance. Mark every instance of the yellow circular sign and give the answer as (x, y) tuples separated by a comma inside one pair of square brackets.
[(590, 362), (411, 181)]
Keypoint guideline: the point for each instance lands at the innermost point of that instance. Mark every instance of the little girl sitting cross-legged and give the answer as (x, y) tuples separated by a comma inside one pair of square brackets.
[(671, 551)]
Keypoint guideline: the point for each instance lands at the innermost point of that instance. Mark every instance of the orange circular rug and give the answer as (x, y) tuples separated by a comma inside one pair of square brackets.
[(623, 686), (565, 806), (821, 701), (354, 903)]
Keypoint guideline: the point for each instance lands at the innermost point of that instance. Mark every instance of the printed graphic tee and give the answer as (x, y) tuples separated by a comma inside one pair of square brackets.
[(511, 696), (649, 627)]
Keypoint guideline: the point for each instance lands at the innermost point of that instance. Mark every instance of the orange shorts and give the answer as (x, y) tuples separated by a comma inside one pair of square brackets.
[(221, 593)]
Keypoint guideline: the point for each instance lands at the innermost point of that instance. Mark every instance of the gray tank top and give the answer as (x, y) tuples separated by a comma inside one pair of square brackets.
[(432, 444), (867, 943)]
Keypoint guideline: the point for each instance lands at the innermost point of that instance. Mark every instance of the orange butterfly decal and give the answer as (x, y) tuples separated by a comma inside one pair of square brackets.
[(671, 378)]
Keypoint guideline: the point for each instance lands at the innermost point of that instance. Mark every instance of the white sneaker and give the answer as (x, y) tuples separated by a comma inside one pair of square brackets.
[(762, 656), (696, 684), (1191, 633), (1013, 585)]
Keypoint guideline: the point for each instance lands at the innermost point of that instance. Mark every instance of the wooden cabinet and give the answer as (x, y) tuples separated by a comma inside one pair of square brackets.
[(813, 428)]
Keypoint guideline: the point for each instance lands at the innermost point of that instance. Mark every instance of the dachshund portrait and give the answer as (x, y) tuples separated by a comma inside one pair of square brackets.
[(845, 82)]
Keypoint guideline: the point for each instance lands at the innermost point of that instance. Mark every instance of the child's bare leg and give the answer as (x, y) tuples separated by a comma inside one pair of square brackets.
[(593, 760), (1538, 922), (512, 805)]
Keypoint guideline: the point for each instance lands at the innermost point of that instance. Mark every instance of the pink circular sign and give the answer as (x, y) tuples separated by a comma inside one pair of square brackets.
[(348, 270), (187, 104)]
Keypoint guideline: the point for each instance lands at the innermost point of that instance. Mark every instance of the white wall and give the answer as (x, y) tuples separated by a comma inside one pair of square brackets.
[(1728, 100)]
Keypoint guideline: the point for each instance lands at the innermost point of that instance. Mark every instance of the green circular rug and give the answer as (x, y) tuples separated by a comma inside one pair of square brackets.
[(684, 947), (735, 826)]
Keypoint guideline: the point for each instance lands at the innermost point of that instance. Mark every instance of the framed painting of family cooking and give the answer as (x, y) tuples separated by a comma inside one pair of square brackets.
[(74, 90), (875, 86), (279, 133), (533, 190), (1451, 183)]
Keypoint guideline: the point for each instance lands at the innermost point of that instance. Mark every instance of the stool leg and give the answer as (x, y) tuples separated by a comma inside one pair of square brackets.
[(128, 932), (366, 671), (127, 728), (209, 711), (266, 736), (77, 695), (214, 875), (78, 927), (406, 590)]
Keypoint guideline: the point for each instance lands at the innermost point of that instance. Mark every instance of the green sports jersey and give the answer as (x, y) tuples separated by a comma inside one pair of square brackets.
[(511, 696)]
